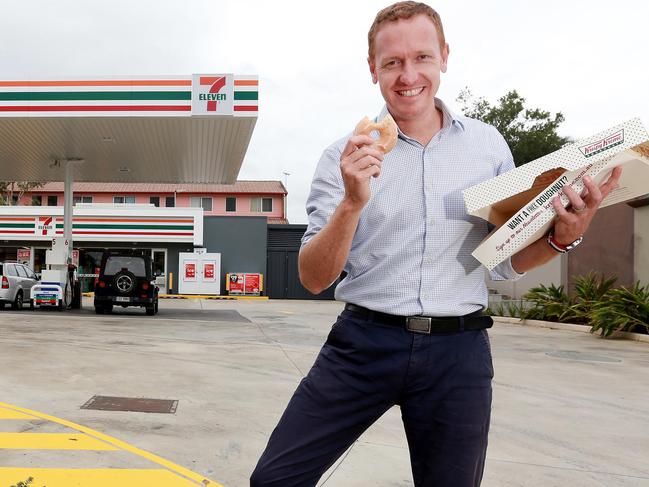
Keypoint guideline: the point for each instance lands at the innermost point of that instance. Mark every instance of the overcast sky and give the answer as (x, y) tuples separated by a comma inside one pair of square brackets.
[(587, 59)]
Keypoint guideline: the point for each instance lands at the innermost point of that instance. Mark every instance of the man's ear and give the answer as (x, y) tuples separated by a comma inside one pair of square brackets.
[(445, 53), (372, 70)]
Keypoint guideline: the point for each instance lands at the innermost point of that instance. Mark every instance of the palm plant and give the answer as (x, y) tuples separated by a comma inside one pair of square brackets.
[(589, 290), (550, 303), (514, 310), (623, 310)]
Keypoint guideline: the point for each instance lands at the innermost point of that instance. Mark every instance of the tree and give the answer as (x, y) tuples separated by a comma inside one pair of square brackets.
[(11, 189), (530, 132)]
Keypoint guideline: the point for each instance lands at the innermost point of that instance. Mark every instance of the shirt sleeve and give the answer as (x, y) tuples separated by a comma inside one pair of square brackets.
[(504, 271), (327, 191)]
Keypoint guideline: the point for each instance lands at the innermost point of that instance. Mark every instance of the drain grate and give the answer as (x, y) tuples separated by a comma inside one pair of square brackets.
[(132, 404)]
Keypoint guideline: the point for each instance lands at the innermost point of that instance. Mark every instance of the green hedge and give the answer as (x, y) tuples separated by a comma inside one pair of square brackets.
[(595, 302)]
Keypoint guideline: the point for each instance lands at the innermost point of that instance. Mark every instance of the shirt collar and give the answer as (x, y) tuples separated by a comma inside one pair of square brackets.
[(448, 117)]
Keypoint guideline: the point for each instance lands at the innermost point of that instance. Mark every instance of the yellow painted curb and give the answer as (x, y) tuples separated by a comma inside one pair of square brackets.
[(182, 471), (201, 296)]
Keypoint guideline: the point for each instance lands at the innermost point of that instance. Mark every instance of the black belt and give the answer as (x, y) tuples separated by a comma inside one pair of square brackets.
[(425, 324)]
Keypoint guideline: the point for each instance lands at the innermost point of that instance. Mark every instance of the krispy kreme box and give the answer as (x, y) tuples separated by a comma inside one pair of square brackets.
[(519, 202)]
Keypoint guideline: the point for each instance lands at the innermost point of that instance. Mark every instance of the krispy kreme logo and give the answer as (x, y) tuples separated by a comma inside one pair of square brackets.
[(601, 145)]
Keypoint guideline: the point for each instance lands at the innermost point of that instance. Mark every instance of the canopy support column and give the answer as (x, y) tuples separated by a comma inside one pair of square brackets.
[(68, 202)]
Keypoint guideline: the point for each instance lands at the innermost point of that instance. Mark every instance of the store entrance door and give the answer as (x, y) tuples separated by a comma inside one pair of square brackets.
[(159, 257), (38, 260)]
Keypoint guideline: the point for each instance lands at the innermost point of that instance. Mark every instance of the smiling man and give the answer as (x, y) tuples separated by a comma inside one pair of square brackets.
[(412, 332)]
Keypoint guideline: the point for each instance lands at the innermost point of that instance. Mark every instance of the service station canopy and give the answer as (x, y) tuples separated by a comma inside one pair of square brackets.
[(189, 129)]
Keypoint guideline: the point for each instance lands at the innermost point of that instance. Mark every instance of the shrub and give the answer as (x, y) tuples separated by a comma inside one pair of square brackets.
[(622, 310), (550, 303), (514, 310), (589, 290), (595, 302)]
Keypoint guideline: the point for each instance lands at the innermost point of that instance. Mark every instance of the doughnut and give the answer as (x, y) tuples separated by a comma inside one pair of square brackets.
[(387, 130)]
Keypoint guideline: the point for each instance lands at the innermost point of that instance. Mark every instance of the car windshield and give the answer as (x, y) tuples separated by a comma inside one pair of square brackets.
[(115, 264)]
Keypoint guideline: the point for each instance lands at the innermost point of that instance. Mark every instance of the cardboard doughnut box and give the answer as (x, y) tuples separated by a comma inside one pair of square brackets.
[(519, 202)]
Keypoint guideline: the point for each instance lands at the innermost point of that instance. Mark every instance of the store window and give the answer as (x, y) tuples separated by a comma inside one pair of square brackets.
[(52, 200), (170, 201), (201, 202), (37, 200), (261, 205), (81, 199), (230, 203), (155, 201), (124, 200), (14, 199)]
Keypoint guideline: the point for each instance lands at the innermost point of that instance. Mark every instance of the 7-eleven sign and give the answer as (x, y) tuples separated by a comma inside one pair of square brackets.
[(45, 225), (212, 94)]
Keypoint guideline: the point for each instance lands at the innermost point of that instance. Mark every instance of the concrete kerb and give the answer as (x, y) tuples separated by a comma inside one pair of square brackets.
[(568, 326)]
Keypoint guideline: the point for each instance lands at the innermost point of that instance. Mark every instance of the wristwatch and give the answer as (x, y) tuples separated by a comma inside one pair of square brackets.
[(560, 247)]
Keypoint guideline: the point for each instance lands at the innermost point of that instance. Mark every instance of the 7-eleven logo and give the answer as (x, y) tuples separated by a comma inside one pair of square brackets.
[(45, 225), (212, 94)]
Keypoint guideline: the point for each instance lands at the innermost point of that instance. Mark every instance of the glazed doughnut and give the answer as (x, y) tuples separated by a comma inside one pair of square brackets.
[(387, 130)]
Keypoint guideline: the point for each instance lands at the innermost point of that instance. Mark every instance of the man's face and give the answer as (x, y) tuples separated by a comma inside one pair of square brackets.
[(407, 63)]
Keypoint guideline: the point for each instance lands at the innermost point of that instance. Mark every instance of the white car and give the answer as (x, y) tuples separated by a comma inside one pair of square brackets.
[(16, 281)]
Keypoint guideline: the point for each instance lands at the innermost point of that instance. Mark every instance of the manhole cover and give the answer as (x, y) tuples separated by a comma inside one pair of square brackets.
[(133, 404), (582, 356)]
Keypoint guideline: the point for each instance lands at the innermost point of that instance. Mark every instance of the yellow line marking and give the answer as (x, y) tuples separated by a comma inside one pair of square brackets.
[(9, 414), (120, 444), (51, 441), (90, 477)]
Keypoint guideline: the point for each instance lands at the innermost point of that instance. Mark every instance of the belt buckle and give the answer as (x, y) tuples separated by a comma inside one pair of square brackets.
[(419, 324)]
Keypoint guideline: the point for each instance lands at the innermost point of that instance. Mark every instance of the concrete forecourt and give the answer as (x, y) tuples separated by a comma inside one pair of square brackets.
[(569, 407)]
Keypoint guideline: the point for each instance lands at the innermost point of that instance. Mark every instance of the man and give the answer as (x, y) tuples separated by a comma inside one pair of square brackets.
[(411, 333)]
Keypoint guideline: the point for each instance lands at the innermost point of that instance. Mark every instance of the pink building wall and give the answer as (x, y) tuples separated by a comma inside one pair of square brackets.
[(182, 200)]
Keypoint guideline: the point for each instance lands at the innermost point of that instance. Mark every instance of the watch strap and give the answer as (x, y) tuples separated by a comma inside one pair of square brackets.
[(560, 247)]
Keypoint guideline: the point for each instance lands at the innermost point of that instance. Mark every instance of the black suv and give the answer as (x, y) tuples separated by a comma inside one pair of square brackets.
[(126, 279)]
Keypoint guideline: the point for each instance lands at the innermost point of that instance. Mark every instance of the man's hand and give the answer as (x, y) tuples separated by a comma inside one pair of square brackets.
[(359, 161), (572, 223)]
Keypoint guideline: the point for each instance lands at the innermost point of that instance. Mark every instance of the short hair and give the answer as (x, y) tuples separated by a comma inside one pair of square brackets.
[(404, 10)]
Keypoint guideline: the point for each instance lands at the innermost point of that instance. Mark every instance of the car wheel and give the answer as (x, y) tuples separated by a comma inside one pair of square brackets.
[(156, 307), (18, 302), (150, 310), (124, 282), (2, 305), (99, 310), (31, 304)]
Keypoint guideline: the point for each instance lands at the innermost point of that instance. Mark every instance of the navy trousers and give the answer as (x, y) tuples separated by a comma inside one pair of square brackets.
[(442, 382)]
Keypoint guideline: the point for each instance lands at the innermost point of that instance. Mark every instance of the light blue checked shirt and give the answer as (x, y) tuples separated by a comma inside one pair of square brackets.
[(411, 253)]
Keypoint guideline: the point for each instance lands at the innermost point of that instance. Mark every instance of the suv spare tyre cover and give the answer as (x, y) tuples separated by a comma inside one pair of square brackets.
[(124, 281)]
